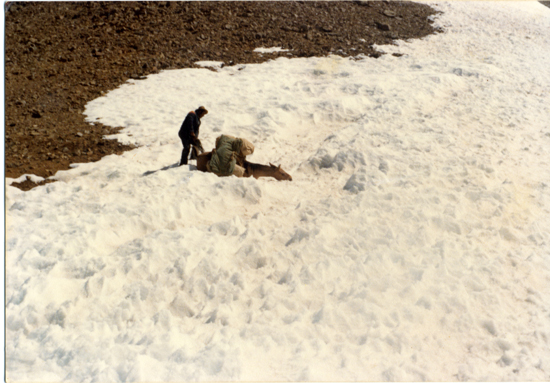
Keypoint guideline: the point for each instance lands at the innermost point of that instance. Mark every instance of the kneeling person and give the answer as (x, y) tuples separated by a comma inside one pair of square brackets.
[(229, 156)]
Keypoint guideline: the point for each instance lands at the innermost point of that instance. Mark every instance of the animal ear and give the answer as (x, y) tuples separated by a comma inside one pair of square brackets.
[(273, 166), (279, 167)]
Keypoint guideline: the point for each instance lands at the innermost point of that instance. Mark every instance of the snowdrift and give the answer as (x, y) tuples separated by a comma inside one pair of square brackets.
[(412, 244)]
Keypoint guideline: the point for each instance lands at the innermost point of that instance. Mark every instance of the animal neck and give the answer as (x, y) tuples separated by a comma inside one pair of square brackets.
[(259, 170)]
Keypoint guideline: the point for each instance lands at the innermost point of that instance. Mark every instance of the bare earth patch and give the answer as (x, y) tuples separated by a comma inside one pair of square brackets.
[(61, 55)]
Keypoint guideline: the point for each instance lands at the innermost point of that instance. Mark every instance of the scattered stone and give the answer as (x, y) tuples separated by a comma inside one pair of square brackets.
[(383, 27), (289, 29), (61, 56)]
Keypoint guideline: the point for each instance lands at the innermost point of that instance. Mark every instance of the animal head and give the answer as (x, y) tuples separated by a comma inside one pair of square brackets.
[(279, 174)]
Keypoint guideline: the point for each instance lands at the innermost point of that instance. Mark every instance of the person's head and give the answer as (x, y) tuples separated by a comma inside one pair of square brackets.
[(201, 111)]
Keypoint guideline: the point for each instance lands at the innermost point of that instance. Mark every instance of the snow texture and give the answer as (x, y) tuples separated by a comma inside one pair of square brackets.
[(210, 64), (270, 50), (412, 243)]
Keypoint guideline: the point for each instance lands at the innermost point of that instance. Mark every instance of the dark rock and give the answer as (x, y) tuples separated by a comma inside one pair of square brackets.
[(61, 55), (383, 27)]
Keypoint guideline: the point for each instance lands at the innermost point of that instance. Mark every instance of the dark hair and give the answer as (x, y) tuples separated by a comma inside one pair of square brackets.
[(201, 110)]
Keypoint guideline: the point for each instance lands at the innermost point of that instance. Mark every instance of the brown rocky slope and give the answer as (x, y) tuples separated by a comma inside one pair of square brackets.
[(61, 55)]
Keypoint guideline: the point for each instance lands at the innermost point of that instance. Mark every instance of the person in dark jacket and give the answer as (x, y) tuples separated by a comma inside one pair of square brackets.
[(189, 134)]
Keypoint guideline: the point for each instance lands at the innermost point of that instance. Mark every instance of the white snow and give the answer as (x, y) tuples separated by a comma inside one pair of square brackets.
[(210, 64), (270, 50), (25, 177), (412, 243)]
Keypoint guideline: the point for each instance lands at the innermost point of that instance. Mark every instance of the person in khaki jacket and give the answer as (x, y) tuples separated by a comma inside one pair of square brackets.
[(229, 155)]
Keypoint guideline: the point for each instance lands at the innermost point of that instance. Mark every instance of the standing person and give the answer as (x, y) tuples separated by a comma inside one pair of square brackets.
[(189, 133)]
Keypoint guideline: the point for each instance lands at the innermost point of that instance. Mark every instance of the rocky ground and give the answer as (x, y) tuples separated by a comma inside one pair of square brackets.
[(61, 55)]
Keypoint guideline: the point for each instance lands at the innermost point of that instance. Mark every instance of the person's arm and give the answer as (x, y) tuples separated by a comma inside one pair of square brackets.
[(196, 125)]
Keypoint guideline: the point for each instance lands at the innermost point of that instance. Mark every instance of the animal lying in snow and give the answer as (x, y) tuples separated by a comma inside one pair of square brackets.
[(229, 158), (250, 169)]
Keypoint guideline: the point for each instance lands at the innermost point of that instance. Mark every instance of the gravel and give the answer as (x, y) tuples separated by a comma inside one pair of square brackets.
[(61, 55)]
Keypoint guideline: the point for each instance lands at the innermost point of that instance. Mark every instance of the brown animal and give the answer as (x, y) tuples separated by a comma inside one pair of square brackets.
[(257, 171), (202, 160), (251, 169)]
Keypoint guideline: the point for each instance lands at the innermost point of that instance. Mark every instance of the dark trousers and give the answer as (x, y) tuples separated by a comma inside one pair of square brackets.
[(188, 143)]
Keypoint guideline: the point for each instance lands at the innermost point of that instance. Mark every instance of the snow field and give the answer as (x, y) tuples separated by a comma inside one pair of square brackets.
[(412, 243)]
